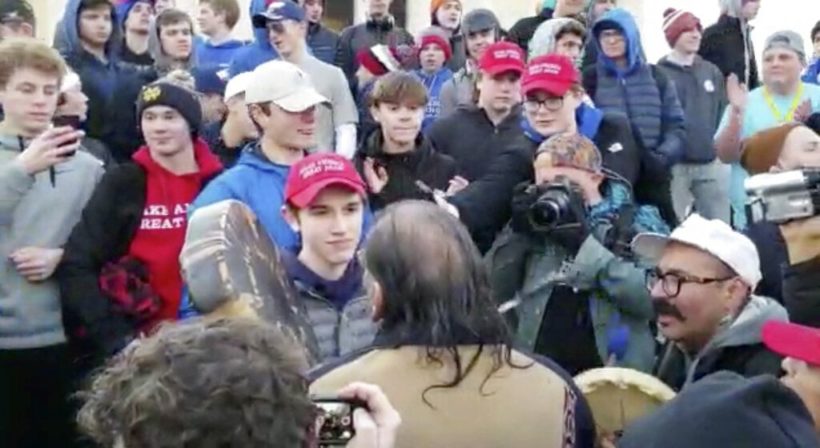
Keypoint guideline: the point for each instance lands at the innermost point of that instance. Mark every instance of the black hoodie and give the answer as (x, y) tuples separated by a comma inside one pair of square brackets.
[(404, 170)]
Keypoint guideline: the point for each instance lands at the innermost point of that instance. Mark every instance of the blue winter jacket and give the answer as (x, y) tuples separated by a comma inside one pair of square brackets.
[(258, 183), (258, 52), (656, 115), (812, 74), (216, 57), (433, 83)]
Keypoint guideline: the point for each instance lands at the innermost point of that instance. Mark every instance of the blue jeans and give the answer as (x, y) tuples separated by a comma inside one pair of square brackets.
[(704, 187)]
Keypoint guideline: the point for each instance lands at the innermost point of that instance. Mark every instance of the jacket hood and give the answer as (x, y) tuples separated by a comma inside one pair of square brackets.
[(209, 164), (71, 32), (162, 62), (544, 39), (587, 118), (260, 35), (253, 157), (623, 20), (339, 292), (746, 329)]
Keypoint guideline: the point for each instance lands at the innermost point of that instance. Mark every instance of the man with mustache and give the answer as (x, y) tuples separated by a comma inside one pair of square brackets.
[(702, 289)]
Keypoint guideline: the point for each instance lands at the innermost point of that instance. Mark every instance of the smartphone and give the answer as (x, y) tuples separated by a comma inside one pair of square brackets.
[(334, 419), (71, 121)]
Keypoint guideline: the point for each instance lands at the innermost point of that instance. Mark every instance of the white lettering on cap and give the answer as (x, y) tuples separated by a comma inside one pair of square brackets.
[(548, 68), (321, 166), (507, 54)]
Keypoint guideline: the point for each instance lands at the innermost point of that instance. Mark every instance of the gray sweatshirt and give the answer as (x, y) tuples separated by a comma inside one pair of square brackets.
[(35, 213)]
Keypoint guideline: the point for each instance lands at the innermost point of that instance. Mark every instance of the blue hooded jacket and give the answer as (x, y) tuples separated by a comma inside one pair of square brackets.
[(216, 57), (99, 78), (637, 90), (812, 74), (259, 184), (249, 57), (433, 83)]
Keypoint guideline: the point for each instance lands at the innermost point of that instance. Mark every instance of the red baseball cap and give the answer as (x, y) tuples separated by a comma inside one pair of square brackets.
[(502, 57), (309, 176), (794, 341), (553, 73)]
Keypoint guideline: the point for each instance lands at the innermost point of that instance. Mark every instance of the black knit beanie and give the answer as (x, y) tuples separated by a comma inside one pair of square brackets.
[(179, 98)]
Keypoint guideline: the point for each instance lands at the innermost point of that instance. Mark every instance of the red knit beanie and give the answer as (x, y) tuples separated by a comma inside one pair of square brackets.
[(677, 22), (379, 59), (436, 40)]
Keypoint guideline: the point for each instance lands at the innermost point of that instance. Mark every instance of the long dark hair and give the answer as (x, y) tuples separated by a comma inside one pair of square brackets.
[(435, 287)]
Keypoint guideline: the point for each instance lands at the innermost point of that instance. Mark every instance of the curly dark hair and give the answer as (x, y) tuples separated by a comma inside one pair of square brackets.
[(224, 383)]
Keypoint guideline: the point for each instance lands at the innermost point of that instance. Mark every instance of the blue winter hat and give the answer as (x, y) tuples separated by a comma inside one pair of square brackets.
[(124, 8), (277, 11), (208, 81)]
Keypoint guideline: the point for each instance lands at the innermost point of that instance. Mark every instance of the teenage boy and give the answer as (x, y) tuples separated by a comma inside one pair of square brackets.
[(16, 19), (336, 119), (92, 51), (433, 53), (321, 39), (564, 36), (700, 179), (380, 28), (237, 129), (396, 160), (44, 184), (217, 18), (120, 274), (325, 205), (812, 73), (481, 29), (445, 16), (134, 19), (284, 112)]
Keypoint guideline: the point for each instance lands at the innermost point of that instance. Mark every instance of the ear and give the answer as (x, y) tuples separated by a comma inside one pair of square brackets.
[(737, 294), (27, 29), (376, 114), (290, 218)]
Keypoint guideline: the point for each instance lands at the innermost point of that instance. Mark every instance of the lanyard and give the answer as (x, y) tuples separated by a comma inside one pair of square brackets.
[(792, 109)]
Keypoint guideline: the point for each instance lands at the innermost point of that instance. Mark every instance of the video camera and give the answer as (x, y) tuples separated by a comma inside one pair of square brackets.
[(781, 197)]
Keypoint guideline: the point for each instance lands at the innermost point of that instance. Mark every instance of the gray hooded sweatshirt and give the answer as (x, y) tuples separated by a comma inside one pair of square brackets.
[(36, 213), (744, 330)]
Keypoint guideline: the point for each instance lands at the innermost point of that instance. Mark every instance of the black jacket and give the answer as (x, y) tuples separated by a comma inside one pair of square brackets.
[(470, 138), (365, 35), (801, 292), (122, 134), (484, 206), (747, 360), (404, 170), (108, 225), (767, 238), (521, 33), (723, 46)]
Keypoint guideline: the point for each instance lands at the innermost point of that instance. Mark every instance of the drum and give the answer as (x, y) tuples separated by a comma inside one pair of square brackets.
[(232, 268), (619, 396)]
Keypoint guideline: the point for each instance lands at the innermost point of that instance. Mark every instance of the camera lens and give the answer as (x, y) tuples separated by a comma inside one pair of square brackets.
[(551, 208)]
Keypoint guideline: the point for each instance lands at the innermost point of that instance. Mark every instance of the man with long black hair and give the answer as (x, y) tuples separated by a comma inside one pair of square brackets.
[(443, 354)]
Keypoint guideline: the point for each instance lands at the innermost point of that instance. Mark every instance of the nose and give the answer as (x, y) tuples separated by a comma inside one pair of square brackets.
[(656, 291)]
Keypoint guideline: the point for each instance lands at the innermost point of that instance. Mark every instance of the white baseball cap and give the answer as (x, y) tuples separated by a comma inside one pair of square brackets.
[(238, 85), (712, 236), (284, 84)]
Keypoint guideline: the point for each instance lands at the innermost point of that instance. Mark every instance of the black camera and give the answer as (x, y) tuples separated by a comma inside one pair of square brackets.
[(781, 197), (553, 208)]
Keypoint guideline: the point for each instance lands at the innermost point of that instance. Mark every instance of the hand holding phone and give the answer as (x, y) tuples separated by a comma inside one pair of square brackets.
[(50, 148), (71, 121), (334, 420)]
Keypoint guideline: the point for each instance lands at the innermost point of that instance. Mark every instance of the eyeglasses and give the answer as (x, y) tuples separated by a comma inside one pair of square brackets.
[(551, 104), (672, 282)]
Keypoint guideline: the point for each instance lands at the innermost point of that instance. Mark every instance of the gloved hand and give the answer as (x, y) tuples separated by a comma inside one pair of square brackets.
[(524, 196), (573, 234)]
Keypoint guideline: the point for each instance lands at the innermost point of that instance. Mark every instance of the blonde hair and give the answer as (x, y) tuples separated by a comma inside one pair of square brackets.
[(21, 53)]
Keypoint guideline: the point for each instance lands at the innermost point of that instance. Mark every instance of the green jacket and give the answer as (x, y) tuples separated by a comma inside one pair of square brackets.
[(525, 269)]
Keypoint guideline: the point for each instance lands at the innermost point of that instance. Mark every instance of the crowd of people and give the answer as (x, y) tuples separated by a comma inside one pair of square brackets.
[(469, 217)]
